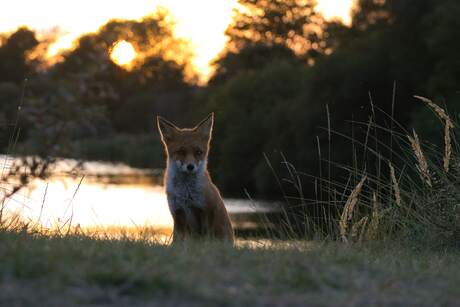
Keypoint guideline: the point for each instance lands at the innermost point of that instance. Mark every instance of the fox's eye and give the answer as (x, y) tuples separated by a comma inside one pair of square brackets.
[(198, 152), (181, 152)]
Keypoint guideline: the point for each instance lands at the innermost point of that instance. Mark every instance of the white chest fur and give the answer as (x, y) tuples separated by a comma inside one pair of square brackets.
[(184, 190)]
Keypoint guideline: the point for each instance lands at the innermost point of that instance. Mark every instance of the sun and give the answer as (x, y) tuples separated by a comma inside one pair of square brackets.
[(123, 54)]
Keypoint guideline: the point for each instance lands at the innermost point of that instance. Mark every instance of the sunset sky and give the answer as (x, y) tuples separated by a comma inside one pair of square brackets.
[(202, 22)]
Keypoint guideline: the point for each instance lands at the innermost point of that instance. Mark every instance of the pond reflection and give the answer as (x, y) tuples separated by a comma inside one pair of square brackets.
[(90, 204), (91, 200)]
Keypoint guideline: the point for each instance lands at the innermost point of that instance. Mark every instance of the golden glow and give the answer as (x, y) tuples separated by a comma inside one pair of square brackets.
[(336, 9), (64, 42), (202, 22), (123, 53), (94, 204)]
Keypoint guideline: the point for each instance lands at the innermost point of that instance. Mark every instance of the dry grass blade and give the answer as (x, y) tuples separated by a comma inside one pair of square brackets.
[(448, 144), (395, 185), (448, 124), (375, 205), (440, 111), (422, 166), (358, 229), (375, 218), (347, 212)]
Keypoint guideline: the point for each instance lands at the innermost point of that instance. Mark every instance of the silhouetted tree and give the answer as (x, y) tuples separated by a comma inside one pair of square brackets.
[(293, 23), (250, 59), (14, 64)]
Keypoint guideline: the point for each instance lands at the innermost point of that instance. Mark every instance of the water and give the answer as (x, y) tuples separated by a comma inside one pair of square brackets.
[(90, 200)]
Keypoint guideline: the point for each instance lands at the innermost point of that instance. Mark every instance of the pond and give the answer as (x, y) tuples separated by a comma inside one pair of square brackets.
[(103, 194)]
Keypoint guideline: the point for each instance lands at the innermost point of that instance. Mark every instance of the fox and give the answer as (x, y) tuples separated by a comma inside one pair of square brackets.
[(194, 201)]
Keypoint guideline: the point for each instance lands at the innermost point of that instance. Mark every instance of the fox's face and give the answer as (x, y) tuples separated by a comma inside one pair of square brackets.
[(187, 148)]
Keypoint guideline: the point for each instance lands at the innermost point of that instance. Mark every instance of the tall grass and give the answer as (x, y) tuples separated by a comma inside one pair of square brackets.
[(18, 173), (411, 192)]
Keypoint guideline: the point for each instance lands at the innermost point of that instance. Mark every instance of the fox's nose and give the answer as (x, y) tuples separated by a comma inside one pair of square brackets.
[(190, 167)]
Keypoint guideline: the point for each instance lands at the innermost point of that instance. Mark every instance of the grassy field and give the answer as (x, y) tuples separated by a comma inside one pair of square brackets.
[(38, 270)]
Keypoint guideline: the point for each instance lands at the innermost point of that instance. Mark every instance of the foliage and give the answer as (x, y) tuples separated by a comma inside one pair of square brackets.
[(292, 23), (148, 151), (14, 51), (250, 59), (250, 123)]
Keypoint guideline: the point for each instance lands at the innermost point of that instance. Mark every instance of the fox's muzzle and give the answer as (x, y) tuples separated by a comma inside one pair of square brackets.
[(188, 167)]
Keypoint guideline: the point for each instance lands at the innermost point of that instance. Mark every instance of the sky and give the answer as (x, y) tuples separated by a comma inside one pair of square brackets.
[(202, 22)]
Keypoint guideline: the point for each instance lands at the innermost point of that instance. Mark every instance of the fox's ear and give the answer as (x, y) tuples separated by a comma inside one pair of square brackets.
[(205, 126), (167, 129)]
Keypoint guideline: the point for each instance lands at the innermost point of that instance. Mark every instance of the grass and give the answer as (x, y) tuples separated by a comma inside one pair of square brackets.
[(75, 270)]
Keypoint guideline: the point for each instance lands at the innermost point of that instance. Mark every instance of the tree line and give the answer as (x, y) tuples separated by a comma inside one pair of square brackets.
[(287, 88)]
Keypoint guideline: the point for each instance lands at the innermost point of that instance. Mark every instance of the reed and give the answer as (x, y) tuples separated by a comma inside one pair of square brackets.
[(347, 212), (448, 126)]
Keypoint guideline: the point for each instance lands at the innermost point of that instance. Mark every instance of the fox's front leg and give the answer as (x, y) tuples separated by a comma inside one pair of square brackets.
[(180, 225), (201, 221)]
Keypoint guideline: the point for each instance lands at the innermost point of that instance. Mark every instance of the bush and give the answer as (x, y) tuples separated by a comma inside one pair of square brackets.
[(144, 151)]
